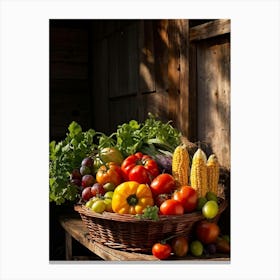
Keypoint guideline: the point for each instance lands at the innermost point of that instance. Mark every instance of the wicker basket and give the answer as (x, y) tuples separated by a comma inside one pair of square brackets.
[(126, 232)]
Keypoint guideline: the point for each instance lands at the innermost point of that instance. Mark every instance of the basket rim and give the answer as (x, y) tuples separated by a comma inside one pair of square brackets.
[(82, 209)]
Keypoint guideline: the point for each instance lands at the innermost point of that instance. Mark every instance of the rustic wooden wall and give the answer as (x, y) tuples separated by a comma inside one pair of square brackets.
[(106, 72), (70, 95), (210, 60), (144, 66)]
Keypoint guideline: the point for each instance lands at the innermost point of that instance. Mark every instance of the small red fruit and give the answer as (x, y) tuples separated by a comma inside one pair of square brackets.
[(97, 189), (171, 207), (207, 232), (161, 251), (87, 181), (86, 194)]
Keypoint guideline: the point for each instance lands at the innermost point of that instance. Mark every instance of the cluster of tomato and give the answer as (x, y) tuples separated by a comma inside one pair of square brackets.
[(206, 239), (128, 185)]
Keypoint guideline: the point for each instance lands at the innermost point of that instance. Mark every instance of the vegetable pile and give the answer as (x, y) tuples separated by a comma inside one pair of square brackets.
[(142, 169)]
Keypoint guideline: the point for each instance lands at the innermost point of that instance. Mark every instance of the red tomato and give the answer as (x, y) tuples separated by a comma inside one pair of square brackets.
[(207, 232), (143, 168), (163, 183), (140, 174), (180, 246), (188, 197), (109, 174), (161, 251), (171, 207)]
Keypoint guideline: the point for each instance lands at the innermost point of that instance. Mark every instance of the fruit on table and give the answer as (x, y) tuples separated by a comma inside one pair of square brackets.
[(109, 186), (199, 173), (88, 180), (213, 173), (226, 237), (87, 162), (108, 202), (109, 173), (180, 246), (85, 170), (140, 168), (97, 189), (98, 206), (109, 194), (196, 248), (159, 199), (76, 182), (187, 196), (131, 198), (200, 203), (210, 209), (171, 207), (163, 184), (75, 174), (91, 201), (223, 246), (161, 251), (207, 232), (181, 165), (86, 194), (111, 154), (211, 196), (211, 248)]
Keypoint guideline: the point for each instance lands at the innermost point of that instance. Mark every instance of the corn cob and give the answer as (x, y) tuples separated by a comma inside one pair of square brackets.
[(213, 173), (181, 165), (199, 173)]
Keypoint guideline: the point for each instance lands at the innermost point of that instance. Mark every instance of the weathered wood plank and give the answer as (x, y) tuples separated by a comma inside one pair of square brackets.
[(161, 58), (193, 93), (184, 94), (213, 89), (210, 29), (173, 71), (147, 57)]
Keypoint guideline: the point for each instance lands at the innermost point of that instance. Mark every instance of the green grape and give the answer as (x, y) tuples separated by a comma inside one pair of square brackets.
[(210, 209), (196, 248)]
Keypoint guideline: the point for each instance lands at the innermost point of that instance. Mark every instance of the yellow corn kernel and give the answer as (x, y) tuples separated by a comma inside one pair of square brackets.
[(181, 165), (213, 173), (199, 173)]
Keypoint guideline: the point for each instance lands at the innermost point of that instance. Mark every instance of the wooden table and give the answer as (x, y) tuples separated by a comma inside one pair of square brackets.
[(74, 228)]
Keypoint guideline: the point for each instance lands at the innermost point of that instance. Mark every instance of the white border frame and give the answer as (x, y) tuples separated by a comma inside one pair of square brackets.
[(24, 138)]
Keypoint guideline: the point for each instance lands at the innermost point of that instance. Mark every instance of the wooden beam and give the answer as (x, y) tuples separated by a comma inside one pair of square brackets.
[(210, 29)]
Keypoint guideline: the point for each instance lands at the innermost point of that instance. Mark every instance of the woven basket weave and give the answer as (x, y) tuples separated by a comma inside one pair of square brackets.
[(128, 233)]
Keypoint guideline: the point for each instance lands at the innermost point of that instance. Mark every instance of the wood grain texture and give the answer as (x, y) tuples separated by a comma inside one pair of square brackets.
[(213, 97), (210, 29)]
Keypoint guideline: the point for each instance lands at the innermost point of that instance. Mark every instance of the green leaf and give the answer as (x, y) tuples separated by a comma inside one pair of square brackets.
[(74, 129)]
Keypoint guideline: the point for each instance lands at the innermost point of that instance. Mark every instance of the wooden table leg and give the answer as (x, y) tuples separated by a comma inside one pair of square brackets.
[(68, 246)]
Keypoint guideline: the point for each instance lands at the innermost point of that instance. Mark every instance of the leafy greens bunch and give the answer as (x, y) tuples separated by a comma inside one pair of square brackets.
[(63, 157), (152, 137)]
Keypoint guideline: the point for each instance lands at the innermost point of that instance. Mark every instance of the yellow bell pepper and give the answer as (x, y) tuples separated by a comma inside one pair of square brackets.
[(131, 198)]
